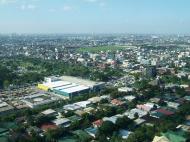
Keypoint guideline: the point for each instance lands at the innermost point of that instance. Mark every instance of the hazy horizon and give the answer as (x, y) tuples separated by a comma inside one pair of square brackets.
[(95, 16)]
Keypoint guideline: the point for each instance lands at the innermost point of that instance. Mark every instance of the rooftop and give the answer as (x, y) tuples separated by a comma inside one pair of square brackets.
[(60, 121), (48, 112), (175, 136), (81, 81), (91, 131), (47, 126), (164, 111), (124, 133), (75, 89), (56, 84)]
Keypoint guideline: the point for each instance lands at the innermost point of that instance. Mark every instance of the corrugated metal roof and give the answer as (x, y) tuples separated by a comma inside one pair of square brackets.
[(75, 89)]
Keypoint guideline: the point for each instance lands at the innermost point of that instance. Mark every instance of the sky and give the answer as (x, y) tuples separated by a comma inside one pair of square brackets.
[(95, 16)]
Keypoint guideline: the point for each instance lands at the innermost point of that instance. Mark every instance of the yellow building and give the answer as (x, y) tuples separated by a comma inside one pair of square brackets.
[(43, 87)]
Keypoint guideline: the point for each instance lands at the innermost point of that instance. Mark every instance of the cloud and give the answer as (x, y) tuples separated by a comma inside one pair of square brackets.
[(7, 1), (102, 4), (94, 1), (91, 0), (28, 7), (67, 8), (52, 10)]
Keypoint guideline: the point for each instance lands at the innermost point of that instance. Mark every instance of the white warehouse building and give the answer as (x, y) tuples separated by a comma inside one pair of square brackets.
[(69, 86)]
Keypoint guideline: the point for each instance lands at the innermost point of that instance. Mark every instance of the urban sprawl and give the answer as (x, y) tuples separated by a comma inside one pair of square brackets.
[(94, 88)]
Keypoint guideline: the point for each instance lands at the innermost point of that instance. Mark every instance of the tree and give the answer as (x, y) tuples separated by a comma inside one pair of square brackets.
[(6, 84), (131, 104), (36, 138), (42, 119), (115, 138), (162, 103), (104, 101), (124, 123), (180, 91), (110, 111), (107, 128), (102, 138), (52, 135), (143, 84), (142, 134), (136, 115)]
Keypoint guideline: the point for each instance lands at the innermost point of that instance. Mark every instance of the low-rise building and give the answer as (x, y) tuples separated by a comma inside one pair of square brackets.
[(162, 111), (91, 131), (48, 126), (62, 122), (83, 104), (69, 87), (129, 98), (113, 119), (72, 107), (117, 102), (125, 89), (5, 108), (95, 99), (89, 110), (131, 114), (97, 123), (178, 136), (139, 121), (80, 112), (173, 105), (49, 112), (38, 99), (160, 139), (187, 98), (124, 133), (74, 118), (146, 107)]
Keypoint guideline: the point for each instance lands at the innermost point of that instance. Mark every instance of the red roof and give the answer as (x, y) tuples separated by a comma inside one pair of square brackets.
[(98, 123), (144, 107), (165, 112), (116, 102), (48, 126)]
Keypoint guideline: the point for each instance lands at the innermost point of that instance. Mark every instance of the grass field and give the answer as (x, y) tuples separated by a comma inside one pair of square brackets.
[(102, 48)]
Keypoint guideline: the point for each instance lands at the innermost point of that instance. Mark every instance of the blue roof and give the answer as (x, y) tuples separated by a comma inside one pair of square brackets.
[(187, 122), (91, 130), (123, 132), (187, 98), (157, 114)]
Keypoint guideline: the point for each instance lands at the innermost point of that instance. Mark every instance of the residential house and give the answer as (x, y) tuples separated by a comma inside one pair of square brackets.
[(97, 123)]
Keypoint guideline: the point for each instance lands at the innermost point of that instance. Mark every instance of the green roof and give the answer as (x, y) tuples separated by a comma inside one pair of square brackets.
[(8, 125), (3, 139), (3, 130), (74, 118), (175, 136), (67, 139)]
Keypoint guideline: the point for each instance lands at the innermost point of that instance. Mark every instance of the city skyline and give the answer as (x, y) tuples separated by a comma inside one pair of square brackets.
[(95, 16)]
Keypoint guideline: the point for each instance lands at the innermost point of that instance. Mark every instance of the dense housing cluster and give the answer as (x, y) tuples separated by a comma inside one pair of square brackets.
[(104, 88)]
